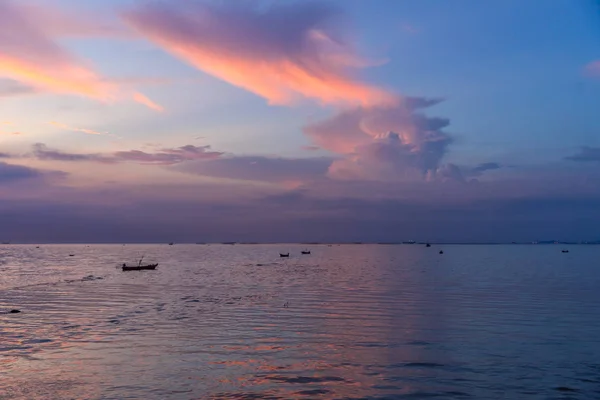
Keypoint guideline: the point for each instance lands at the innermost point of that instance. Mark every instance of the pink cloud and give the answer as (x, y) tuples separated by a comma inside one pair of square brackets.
[(383, 143), (283, 53), (142, 99), (30, 55), (593, 68), (71, 128)]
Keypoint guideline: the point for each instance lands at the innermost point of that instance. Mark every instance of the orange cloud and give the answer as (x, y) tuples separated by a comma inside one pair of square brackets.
[(70, 128), (59, 78), (30, 54), (281, 54), (140, 98)]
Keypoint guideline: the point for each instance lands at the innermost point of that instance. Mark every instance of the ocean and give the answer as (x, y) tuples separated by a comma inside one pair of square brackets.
[(345, 322)]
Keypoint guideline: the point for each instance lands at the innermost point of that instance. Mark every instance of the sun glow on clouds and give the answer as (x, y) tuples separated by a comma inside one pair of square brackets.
[(142, 99), (30, 54), (70, 128), (283, 53), (286, 52)]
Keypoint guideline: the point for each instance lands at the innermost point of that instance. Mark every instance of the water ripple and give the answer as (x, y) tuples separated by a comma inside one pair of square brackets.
[(346, 322)]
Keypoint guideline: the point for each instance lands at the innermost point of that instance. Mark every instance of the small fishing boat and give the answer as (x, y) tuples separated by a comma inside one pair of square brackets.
[(138, 267), (284, 254), (171, 243), (441, 252), (565, 251), (305, 251), (427, 245)]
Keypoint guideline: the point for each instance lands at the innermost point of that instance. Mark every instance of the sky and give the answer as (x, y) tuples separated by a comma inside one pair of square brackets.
[(279, 121)]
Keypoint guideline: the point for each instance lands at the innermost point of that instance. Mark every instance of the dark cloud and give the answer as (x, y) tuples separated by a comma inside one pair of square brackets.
[(42, 152), (162, 157), (260, 168), (297, 216), (489, 166), (169, 156), (416, 103), (538, 207), (461, 173), (586, 154), (11, 173), (451, 172)]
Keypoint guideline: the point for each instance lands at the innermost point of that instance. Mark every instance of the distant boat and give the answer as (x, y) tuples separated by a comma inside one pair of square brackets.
[(138, 267), (171, 243), (71, 255), (284, 254), (5, 242), (427, 245), (565, 251), (305, 251), (409, 242), (441, 252)]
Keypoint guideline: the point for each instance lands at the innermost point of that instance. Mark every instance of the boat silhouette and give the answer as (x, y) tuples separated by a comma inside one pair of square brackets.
[(138, 267)]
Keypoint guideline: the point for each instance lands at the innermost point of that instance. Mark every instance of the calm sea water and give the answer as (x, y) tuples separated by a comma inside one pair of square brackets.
[(346, 322)]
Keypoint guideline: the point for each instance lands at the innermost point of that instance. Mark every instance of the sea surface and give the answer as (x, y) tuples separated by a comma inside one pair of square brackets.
[(345, 322)]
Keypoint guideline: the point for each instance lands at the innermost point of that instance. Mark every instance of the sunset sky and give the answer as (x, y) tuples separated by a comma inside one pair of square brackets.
[(349, 120)]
